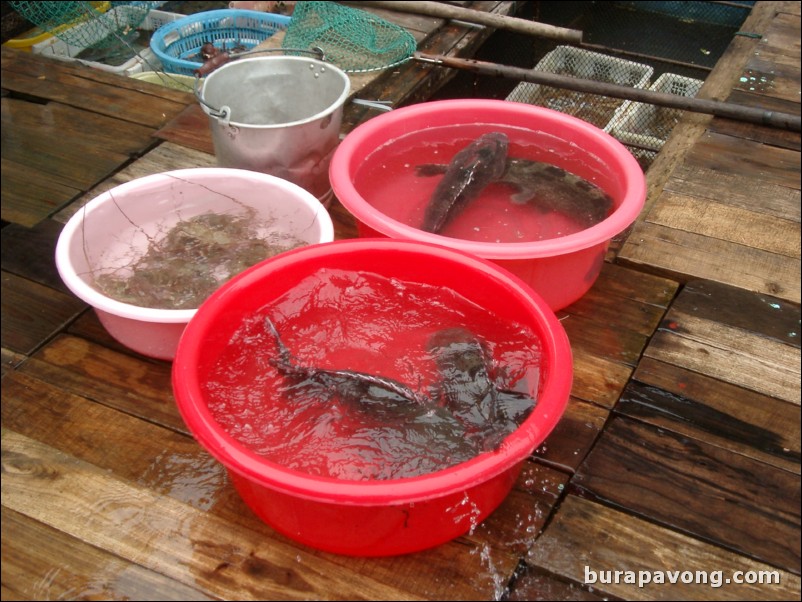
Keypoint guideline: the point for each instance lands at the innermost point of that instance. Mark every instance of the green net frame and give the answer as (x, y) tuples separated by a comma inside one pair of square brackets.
[(85, 24), (354, 40)]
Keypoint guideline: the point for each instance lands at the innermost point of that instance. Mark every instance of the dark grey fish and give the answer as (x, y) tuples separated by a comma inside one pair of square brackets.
[(347, 384), (474, 167), (469, 392), (551, 188), (468, 410), (546, 187)]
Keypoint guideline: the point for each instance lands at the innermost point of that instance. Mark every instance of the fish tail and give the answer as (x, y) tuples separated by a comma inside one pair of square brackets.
[(284, 362)]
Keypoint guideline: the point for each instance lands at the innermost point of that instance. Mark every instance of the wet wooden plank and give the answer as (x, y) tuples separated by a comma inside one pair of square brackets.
[(51, 152), (534, 583), (689, 485), (613, 320), (700, 407), (762, 134), (30, 253), (165, 535), (627, 543), (33, 313), (168, 463), (573, 437), (130, 383), (728, 154), (730, 353), (767, 316), (60, 566)]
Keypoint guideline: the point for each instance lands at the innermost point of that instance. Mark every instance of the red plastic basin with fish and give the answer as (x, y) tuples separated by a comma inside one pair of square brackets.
[(375, 517), (562, 268)]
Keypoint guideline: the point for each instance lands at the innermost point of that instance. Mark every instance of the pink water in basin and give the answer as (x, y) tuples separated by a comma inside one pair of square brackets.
[(373, 176)]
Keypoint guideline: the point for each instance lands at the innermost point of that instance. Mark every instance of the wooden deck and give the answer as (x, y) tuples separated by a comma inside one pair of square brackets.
[(679, 451)]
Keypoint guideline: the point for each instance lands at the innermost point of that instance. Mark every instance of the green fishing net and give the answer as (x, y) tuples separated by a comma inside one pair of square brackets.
[(85, 24), (354, 40)]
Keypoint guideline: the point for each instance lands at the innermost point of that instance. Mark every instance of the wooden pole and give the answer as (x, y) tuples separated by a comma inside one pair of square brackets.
[(446, 11), (786, 121)]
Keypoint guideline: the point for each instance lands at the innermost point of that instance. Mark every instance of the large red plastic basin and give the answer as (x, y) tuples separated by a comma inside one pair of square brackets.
[(560, 269), (372, 518)]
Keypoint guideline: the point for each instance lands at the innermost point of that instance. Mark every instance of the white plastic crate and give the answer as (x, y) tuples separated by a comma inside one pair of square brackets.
[(647, 125), (144, 60), (582, 64)]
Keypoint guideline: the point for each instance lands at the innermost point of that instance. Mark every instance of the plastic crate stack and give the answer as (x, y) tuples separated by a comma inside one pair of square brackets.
[(583, 64), (646, 126)]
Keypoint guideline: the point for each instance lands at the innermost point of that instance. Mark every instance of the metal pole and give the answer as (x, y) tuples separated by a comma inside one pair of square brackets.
[(786, 121), (445, 11)]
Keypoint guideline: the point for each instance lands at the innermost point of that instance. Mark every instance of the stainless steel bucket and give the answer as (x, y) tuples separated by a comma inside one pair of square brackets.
[(279, 115)]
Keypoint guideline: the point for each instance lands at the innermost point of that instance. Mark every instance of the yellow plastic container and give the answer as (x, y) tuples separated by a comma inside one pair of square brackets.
[(37, 36), (26, 43)]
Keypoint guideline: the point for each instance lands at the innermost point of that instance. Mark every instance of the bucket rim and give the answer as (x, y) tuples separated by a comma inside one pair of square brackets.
[(225, 118)]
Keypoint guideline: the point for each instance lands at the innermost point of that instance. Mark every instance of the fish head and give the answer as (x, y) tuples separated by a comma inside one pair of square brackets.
[(489, 153)]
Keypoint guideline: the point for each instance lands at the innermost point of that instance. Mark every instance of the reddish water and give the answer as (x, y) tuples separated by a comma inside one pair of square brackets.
[(388, 181), (371, 324)]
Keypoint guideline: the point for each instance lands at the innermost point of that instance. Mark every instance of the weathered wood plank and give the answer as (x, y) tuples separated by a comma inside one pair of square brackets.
[(705, 408), (10, 360), (61, 567), (129, 383), (762, 134), (598, 379), (86, 88), (30, 195), (768, 164), (731, 224), (165, 535), (626, 543), (534, 583), (33, 313), (84, 131), (165, 157), (30, 253), (736, 190), (73, 159), (767, 316), (689, 485), (730, 354), (171, 464), (685, 256), (573, 437)]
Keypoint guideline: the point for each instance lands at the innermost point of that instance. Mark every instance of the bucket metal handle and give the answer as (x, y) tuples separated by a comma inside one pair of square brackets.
[(224, 112)]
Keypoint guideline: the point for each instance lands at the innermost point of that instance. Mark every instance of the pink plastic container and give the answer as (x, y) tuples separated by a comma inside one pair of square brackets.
[(560, 269), (371, 517), (118, 225)]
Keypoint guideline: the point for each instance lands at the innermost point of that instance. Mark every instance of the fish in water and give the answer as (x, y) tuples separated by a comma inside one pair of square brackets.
[(545, 186), (469, 392), (480, 163), (347, 384), (465, 406)]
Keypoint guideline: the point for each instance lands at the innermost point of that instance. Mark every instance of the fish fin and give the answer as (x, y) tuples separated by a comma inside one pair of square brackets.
[(524, 195), (430, 169)]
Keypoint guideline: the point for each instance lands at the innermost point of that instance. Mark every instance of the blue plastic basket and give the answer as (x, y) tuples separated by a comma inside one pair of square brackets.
[(178, 44)]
